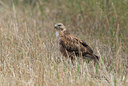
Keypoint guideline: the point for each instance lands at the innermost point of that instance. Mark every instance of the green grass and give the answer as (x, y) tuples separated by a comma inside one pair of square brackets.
[(29, 55)]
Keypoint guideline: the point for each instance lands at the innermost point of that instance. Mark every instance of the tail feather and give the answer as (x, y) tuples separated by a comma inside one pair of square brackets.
[(97, 57), (91, 56)]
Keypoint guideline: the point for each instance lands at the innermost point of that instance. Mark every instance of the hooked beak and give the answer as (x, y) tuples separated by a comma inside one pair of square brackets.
[(55, 26)]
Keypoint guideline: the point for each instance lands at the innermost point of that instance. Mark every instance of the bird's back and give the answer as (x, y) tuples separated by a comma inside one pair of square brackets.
[(73, 44)]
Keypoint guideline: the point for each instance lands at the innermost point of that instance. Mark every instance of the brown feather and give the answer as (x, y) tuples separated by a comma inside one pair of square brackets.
[(72, 46)]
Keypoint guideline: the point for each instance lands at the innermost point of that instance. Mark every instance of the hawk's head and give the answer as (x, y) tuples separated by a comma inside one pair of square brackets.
[(59, 27)]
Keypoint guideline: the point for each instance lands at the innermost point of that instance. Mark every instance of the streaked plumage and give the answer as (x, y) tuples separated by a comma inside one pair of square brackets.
[(71, 46)]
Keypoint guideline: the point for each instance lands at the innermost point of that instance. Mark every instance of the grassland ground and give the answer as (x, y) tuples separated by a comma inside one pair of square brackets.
[(29, 55)]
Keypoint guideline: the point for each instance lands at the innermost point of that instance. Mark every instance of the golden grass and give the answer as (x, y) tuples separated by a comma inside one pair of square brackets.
[(28, 51)]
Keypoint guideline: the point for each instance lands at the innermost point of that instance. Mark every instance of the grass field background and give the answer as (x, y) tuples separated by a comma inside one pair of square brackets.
[(28, 51)]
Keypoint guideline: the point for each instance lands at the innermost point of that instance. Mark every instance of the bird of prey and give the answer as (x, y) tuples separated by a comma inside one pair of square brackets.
[(71, 46)]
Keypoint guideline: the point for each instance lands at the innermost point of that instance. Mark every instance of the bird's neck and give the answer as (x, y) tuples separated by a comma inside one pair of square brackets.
[(60, 33)]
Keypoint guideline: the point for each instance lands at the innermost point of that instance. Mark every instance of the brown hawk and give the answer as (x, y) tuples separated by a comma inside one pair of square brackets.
[(71, 46)]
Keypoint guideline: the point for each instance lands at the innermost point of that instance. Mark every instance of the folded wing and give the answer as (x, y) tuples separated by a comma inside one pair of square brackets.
[(73, 44)]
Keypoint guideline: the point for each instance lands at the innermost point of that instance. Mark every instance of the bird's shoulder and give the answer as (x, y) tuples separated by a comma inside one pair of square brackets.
[(70, 37)]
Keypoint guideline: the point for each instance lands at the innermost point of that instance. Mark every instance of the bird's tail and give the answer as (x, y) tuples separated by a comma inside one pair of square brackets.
[(96, 57), (91, 56)]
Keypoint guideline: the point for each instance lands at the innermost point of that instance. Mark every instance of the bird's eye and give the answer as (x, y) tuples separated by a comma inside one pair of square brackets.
[(59, 25)]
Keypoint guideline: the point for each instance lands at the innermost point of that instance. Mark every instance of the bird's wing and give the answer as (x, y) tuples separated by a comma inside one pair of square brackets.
[(85, 45), (71, 43)]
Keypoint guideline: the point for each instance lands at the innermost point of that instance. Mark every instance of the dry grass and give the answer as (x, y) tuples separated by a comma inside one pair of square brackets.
[(29, 55)]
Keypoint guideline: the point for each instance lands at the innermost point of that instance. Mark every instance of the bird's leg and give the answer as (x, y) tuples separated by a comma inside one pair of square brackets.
[(72, 56)]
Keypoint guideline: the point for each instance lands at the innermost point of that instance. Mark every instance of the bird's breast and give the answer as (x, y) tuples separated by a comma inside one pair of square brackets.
[(57, 33), (58, 39)]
